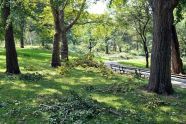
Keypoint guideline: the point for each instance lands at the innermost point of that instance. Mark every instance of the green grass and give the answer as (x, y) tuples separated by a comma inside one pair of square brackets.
[(21, 97), (140, 63)]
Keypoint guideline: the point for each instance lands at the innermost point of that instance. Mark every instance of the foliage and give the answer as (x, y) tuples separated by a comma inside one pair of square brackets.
[(71, 109), (34, 77), (23, 102), (86, 61), (63, 70), (116, 88)]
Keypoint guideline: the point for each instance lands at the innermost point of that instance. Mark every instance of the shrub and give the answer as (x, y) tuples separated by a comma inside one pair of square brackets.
[(30, 68), (47, 46), (34, 77), (63, 70), (86, 61)]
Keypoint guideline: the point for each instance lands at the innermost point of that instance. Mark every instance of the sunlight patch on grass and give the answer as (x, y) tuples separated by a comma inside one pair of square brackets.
[(110, 100), (48, 91), (121, 92), (165, 108), (134, 63), (19, 86), (86, 79)]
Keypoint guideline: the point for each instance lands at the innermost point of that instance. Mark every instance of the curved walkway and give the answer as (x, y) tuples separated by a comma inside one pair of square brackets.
[(174, 82)]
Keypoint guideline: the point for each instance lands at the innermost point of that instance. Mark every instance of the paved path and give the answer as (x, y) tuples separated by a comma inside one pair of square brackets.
[(178, 83)]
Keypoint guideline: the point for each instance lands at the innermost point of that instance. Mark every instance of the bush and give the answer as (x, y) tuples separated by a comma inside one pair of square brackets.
[(30, 68), (34, 77), (86, 61), (63, 70), (47, 46), (105, 71)]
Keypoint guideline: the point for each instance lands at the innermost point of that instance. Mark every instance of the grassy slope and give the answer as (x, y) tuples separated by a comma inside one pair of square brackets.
[(20, 99)]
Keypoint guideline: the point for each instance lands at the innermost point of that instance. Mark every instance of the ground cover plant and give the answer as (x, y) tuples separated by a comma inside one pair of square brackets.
[(60, 61), (84, 94)]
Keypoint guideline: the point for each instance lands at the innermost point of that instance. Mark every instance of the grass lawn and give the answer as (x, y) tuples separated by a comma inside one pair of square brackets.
[(41, 95), (140, 63)]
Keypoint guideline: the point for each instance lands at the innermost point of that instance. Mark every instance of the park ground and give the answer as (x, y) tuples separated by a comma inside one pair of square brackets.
[(42, 94)]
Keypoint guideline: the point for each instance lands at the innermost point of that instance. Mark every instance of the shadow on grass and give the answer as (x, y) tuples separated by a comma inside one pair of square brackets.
[(21, 98)]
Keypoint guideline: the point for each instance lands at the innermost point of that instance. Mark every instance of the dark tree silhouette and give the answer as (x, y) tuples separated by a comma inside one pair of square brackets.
[(57, 36), (176, 61), (11, 55), (160, 72)]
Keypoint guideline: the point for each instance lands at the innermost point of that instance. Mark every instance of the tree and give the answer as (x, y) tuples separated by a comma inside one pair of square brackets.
[(21, 11), (139, 14), (66, 26), (11, 54), (62, 25), (176, 61), (107, 45), (57, 36), (160, 72)]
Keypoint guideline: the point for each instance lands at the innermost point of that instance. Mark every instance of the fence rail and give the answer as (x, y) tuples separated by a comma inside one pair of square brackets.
[(142, 72)]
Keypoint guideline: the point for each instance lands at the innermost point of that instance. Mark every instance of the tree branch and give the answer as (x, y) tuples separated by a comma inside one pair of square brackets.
[(64, 4), (77, 17), (89, 22)]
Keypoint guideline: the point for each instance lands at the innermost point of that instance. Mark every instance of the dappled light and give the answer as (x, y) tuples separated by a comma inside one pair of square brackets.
[(92, 62)]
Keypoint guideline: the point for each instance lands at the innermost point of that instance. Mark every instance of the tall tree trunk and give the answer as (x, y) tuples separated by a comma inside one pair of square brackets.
[(137, 46), (64, 47), (106, 48), (65, 27), (160, 71), (57, 37), (64, 50), (114, 47), (22, 42), (177, 64), (11, 54), (146, 54), (22, 37), (43, 43), (22, 32), (120, 49)]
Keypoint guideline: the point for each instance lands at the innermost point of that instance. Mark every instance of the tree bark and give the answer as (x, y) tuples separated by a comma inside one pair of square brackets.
[(43, 43), (160, 71), (22, 32), (11, 54), (106, 49), (64, 45), (177, 64), (64, 50), (114, 47), (65, 28), (120, 49), (57, 37), (22, 38), (146, 55), (22, 42), (137, 46)]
